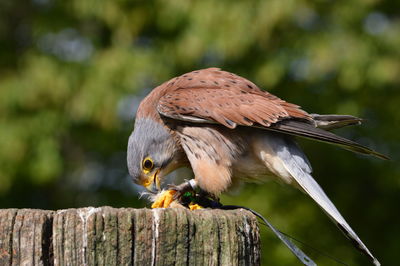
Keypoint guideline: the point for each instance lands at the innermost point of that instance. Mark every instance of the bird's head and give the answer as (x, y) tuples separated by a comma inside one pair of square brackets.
[(152, 154)]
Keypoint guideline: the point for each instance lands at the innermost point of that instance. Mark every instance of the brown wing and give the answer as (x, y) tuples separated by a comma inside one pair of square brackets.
[(215, 96), (221, 97)]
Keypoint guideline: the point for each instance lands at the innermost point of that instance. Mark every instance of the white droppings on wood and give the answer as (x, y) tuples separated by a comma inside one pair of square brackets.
[(155, 227), (103, 234), (247, 228), (84, 214)]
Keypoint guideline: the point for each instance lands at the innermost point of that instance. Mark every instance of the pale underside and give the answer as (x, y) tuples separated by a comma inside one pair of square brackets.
[(222, 158)]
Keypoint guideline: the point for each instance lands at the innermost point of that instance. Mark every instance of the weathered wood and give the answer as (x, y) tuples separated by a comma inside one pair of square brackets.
[(25, 237), (109, 236)]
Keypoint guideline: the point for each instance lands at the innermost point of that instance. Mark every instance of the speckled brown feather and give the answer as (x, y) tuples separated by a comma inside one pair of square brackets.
[(225, 98), (148, 106)]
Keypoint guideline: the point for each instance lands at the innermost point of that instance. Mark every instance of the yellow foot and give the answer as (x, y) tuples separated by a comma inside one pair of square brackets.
[(193, 206), (164, 199)]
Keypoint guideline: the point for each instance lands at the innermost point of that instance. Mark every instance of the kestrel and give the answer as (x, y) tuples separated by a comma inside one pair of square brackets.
[(229, 132)]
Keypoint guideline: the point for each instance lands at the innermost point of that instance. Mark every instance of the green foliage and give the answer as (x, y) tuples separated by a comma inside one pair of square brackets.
[(72, 72)]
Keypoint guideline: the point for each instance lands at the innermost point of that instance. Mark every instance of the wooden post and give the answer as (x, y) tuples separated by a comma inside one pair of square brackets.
[(109, 236)]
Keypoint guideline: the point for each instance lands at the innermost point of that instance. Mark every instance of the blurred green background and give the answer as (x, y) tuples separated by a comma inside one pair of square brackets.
[(73, 72)]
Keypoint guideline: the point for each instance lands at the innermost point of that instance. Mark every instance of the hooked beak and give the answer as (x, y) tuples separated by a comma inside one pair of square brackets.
[(152, 183)]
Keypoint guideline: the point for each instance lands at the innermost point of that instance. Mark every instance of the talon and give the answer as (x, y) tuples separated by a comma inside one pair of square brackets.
[(180, 189), (164, 199), (194, 206)]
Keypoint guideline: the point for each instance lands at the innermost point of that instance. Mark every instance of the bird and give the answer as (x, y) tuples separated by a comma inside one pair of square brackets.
[(230, 132)]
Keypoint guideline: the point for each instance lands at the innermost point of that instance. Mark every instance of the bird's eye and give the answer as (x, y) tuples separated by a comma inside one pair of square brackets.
[(148, 164)]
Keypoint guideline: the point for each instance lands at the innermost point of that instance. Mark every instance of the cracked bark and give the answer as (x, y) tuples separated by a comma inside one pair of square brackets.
[(109, 236)]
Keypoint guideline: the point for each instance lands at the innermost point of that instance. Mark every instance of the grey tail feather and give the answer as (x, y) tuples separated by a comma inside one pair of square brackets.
[(304, 129), (311, 187), (329, 122), (360, 246)]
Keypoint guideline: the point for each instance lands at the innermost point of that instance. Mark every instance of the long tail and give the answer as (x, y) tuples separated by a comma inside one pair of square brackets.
[(294, 160)]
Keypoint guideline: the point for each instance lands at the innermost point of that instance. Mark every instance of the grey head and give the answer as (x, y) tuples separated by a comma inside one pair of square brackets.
[(152, 153)]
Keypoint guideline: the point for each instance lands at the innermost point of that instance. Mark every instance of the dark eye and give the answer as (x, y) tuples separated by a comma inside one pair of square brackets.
[(148, 164)]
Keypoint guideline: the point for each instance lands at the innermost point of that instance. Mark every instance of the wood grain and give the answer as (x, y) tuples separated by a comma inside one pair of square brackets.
[(109, 236)]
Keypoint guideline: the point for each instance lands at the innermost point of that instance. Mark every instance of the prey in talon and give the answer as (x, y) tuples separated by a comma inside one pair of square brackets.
[(228, 131)]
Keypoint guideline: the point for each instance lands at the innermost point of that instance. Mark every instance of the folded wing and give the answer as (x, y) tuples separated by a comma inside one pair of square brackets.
[(219, 97)]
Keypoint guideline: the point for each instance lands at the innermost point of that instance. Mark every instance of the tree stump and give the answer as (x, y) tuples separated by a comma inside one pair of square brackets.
[(109, 236)]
